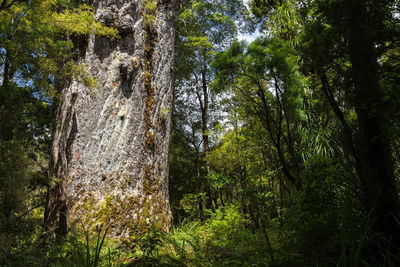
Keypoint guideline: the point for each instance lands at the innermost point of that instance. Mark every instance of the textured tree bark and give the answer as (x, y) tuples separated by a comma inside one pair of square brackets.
[(110, 145)]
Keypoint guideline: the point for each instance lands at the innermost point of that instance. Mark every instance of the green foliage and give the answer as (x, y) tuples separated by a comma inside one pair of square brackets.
[(269, 88), (83, 249), (150, 7), (190, 204), (267, 66), (149, 241), (222, 240), (204, 28), (32, 32), (24, 144), (80, 21)]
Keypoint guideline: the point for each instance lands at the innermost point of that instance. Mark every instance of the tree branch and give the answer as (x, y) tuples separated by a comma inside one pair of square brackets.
[(31, 209)]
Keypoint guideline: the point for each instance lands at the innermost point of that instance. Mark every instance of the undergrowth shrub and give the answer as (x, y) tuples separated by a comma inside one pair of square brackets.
[(323, 219), (223, 240), (80, 249)]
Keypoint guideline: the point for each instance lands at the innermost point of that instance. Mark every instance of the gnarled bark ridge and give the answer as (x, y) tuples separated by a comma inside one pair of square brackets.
[(110, 145)]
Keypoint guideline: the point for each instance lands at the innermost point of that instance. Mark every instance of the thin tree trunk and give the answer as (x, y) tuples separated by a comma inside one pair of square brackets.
[(3, 88), (199, 185), (203, 99)]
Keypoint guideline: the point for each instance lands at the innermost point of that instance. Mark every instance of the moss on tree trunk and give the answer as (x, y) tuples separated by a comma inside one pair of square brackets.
[(110, 145)]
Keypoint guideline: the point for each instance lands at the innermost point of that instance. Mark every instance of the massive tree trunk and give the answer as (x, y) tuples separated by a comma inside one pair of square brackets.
[(110, 145)]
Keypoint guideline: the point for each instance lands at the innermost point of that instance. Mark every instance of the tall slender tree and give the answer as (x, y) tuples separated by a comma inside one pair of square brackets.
[(204, 28)]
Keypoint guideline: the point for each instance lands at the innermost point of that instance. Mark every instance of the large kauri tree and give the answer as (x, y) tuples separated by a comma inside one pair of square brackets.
[(110, 144)]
